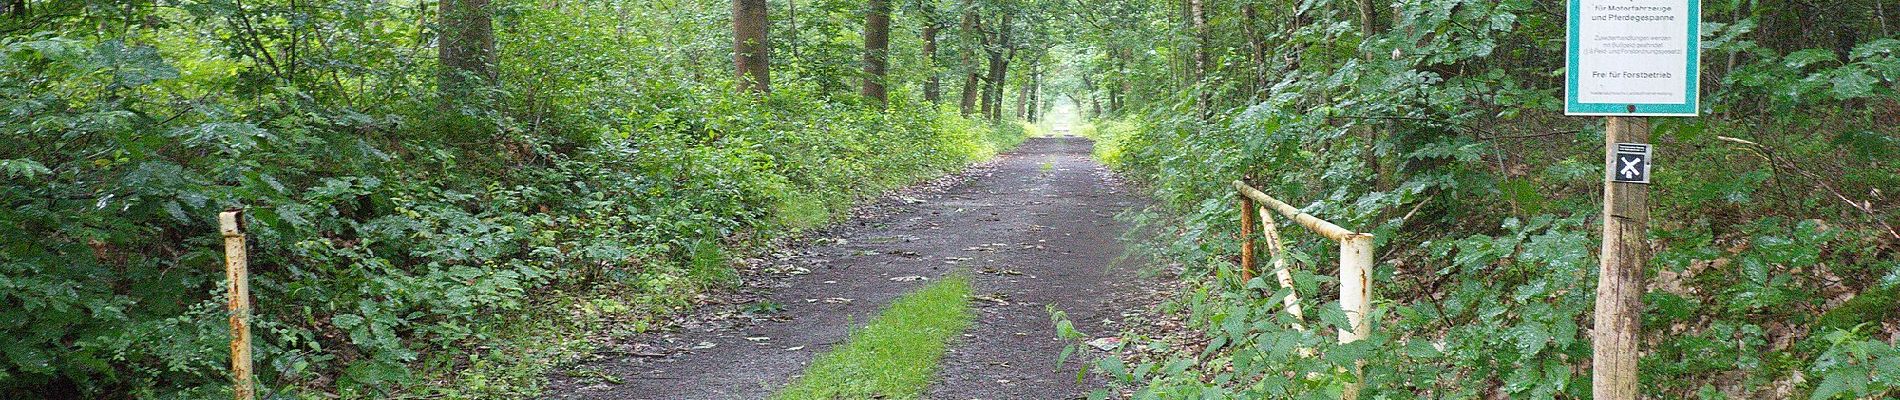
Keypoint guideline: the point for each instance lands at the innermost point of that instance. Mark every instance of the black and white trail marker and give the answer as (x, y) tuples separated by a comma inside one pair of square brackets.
[(1631, 164)]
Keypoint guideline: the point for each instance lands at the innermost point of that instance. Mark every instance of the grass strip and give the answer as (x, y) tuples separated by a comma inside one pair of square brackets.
[(896, 355)]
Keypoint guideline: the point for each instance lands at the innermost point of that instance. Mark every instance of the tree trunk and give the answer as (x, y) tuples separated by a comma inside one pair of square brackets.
[(791, 17), (971, 83), (751, 56), (1025, 90), (993, 85), (1197, 13), (970, 79), (933, 87), (1000, 53), (877, 45), (1368, 19), (1035, 91), (1095, 100), (466, 48), (1257, 46)]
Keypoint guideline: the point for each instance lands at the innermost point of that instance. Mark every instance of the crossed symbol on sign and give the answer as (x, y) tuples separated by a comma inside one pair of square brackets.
[(1629, 170)]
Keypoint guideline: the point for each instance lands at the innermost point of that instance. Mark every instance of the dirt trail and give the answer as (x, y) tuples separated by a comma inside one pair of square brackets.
[(1035, 228)]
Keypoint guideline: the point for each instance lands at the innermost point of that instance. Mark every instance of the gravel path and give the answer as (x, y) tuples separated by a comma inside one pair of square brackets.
[(1035, 228)]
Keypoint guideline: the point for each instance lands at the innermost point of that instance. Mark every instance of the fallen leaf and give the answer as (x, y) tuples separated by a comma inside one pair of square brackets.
[(997, 298)]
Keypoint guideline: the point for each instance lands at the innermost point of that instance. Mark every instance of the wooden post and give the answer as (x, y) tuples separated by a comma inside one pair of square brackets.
[(238, 287), (1620, 273), (1246, 240)]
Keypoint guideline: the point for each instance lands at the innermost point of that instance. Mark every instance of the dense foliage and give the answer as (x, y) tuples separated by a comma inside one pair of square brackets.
[(404, 242), (1437, 126)]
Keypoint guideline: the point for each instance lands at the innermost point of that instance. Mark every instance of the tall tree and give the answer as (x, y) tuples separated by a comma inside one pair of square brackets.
[(877, 48), (1257, 47), (972, 22), (933, 87), (466, 49), (1197, 16), (1368, 18), (998, 44), (750, 53)]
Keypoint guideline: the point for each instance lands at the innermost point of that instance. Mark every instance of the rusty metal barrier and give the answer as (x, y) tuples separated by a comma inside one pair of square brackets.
[(1355, 261)]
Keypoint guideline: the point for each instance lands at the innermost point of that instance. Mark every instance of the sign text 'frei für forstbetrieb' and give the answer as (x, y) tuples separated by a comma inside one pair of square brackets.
[(1633, 57)]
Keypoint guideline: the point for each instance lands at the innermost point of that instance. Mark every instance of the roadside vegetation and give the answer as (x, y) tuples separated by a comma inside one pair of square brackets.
[(444, 198), (1438, 126), (896, 355)]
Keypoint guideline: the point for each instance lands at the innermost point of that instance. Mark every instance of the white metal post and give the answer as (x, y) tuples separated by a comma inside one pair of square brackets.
[(1355, 285)]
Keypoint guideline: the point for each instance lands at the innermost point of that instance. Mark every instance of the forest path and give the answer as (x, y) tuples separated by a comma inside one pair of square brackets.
[(1034, 228)]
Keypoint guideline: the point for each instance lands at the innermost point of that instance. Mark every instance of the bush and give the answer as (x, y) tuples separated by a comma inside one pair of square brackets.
[(391, 241)]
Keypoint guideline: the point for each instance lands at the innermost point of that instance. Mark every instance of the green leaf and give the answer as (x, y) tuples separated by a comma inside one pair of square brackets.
[(30, 359), (1852, 83), (1531, 338), (1850, 381), (1878, 46), (346, 321), (23, 168), (1802, 59)]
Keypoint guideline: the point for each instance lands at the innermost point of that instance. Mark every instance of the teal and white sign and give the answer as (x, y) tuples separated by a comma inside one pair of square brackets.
[(1633, 58)]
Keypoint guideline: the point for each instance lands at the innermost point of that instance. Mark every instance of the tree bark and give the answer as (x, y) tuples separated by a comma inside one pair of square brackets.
[(791, 17), (1119, 88), (877, 45), (1197, 14), (1035, 91), (993, 85), (1024, 91), (1000, 52), (1368, 18), (1095, 100), (751, 56), (466, 48), (1257, 45), (971, 80), (933, 87)]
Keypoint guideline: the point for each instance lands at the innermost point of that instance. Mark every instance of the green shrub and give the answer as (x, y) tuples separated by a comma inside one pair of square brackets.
[(1443, 136), (394, 241)]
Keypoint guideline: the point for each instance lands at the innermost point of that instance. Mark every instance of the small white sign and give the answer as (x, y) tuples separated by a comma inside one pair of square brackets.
[(1634, 58)]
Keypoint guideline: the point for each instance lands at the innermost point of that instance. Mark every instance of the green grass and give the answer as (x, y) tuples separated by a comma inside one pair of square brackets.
[(897, 354)]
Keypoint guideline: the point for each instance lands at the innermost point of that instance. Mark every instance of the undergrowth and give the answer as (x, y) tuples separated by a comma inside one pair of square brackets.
[(1774, 266), (402, 244)]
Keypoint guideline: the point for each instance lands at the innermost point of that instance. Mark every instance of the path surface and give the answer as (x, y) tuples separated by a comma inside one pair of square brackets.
[(1035, 228)]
